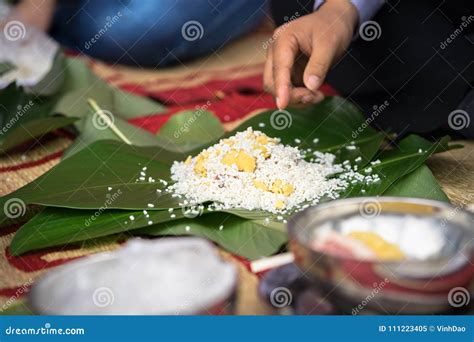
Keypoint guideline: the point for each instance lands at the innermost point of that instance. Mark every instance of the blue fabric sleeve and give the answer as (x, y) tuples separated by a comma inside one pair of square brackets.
[(365, 8)]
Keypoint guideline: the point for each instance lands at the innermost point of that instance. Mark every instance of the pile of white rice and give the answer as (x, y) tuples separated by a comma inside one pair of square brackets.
[(253, 171)]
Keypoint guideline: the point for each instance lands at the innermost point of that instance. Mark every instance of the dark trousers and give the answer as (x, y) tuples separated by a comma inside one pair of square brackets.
[(421, 65)]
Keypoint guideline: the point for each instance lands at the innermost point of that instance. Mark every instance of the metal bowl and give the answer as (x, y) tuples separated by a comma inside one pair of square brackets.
[(411, 286), (55, 293)]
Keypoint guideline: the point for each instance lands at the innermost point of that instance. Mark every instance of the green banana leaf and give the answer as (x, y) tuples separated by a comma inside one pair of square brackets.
[(419, 184), (53, 80), (92, 131), (86, 176), (24, 117), (247, 238), (102, 178), (255, 238), (190, 130), (243, 232), (411, 153), (80, 83), (59, 226), (56, 226), (83, 180)]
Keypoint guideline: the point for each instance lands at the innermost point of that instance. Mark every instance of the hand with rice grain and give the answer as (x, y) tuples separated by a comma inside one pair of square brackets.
[(303, 50)]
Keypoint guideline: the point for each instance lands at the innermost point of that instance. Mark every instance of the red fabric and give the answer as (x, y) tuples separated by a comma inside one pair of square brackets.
[(15, 292), (228, 100), (232, 107), (210, 90), (33, 261), (218, 80), (32, 163), (251, 86)]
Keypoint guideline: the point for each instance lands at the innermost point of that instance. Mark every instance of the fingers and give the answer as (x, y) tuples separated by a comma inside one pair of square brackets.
[(277, 76), (322, 55), (284, 54), (297, 96), (268, 72), (303, 96)]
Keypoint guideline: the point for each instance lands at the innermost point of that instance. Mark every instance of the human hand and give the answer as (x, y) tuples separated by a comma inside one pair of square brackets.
[(303, 50)]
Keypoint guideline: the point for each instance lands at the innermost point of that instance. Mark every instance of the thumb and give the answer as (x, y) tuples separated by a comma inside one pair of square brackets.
[(322, 55)]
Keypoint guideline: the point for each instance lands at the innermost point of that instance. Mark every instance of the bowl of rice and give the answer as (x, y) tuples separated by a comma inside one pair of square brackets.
[(169, 276), (389, 255)]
